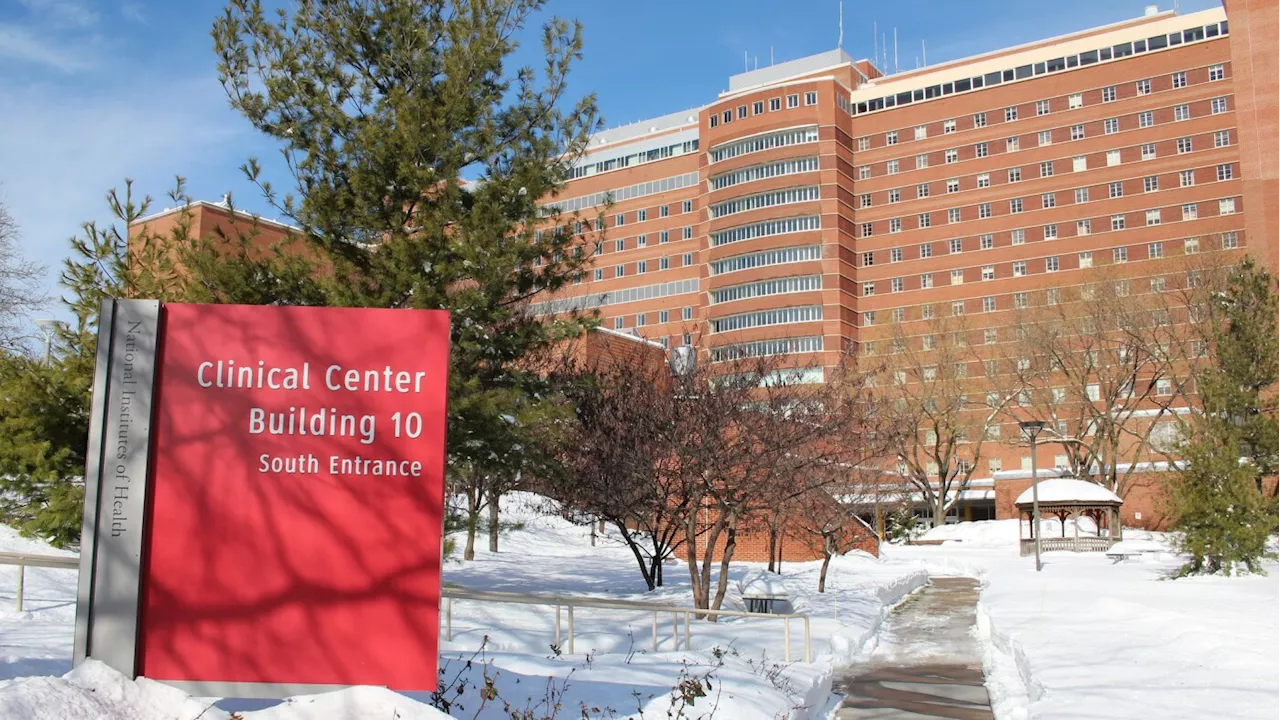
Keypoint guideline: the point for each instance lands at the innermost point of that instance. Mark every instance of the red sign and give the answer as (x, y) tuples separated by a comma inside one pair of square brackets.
[(297, 496)]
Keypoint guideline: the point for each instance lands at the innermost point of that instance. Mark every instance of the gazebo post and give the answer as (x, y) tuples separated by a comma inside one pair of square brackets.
[(1075, 516)]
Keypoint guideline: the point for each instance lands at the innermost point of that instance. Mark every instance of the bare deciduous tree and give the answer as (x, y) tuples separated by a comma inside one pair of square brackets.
[(20, 283)]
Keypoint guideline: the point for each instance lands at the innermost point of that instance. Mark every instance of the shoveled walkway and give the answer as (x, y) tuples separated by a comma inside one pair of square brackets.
[(927, 663)]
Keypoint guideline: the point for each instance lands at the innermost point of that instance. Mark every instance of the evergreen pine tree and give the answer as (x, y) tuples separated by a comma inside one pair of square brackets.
[(1224, 511), (418, 159)]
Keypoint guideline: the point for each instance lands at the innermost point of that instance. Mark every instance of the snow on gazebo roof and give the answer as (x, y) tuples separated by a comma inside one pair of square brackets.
[(1068, 491)]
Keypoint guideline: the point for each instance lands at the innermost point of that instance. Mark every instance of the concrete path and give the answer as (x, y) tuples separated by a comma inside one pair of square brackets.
[(927, 663)]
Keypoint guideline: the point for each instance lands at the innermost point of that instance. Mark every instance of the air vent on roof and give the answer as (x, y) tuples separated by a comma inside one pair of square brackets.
[(1150, 10)]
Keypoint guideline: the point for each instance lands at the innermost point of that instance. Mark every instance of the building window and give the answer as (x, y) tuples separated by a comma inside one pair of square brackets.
[(619, 245), (686, 233), (1144, 87), (1051, 296), (899, 315), (869, 318), (641, 319), (1051, 263), (1109, 94), (948, 127), (922, 190), (922, 161), (1218, 105), (924, 220), (664, 316), (895, 225), (988, 304), (1075, 101), (1048, 200), (1181, 112), (1191, 246), (984, 180), (1190, 211), (868, 289), (1180, 78), (922, 132), (742, 111), (1011, 144), (894, 195), (664, 236), (926, 250), (1159, 284), (980, 150), (664, 210), (926, 281), (986, 242), (1079, 163), (1230, 240), (1015, 205), (686, 314), (891, 167), (597, 274), (926, 312), (1146, 119), (1184, 145), (979, 119), (953, 215), (1020, 268), (793, 101), (1017, 236), (687, 259), (953, 185), (1153, 217), (1224, 172), (664, 263), (1010, 114), (1046, 137), (864, 144), (1221, 138), (1051, 231), (866, 200), (868, 259), (1082, 195), (955, 245), (1120, 255), (686, 206), (895, 285), (891, 137), (1151, 183), (1015, 175), (866, 230), (984, 210), (1046, 168), (1042, 107), (1117, 222), (1226, 206), (1113, 158), (1115, 189), (864, 172), (811, 98), (726, 116), (1077, 132), (957, 307), (1111, 126), (1155, 250), (775, 104), (895, 255), (1084, 227), (957, 277), (988, 272), (950, 156), (1216, 72), (1020, 300), (715, 122), (1086, 260), (757, 107), (619, 270), (617, 323)]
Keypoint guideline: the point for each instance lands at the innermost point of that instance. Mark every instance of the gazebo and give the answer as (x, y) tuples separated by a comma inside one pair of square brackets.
[(1069, 498)]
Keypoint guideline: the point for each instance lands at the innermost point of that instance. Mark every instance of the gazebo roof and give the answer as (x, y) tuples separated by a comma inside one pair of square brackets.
[(1068, 491)]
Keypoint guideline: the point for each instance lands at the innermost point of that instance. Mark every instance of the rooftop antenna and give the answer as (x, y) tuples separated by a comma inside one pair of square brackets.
[(746, 66), (884, 50), (924, 54), (875, 41), (757, 61), (770, 54), (895, 49), (840, 38)]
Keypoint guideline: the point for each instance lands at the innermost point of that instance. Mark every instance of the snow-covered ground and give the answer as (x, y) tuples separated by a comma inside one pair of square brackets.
[(1086, 638), (613, 670)]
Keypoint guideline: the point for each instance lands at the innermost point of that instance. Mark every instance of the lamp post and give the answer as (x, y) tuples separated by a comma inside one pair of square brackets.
[(1032, 428)]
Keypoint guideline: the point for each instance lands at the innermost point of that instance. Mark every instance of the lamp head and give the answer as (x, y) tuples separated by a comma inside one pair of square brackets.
[(1032, 427)]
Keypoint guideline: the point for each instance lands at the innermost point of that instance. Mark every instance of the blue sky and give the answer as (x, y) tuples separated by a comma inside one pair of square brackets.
[(93, 91)]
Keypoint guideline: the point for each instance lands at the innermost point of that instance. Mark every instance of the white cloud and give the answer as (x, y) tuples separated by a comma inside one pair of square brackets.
[(60, 151), (73, 13), (21, 44)]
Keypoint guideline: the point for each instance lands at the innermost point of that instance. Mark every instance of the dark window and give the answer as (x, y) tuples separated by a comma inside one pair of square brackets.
[(1040, 69), (904, 98), (1223, 25), (1022, 72), (1211, 31), (862, 107), (1124, 49), (1140, 46), (1073, 61), (1089, 58), (890, 101), (963, 85), (1175, 38), (1193, 34), (917, 95), (933, 91), (991, 78), (1057, 64), (1008, 76), (1105, 54), (877, 104), (947, 88), (1157, 42)]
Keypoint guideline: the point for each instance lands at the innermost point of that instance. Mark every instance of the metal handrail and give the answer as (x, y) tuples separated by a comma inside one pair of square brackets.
[(571, 601), (25, 560)]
